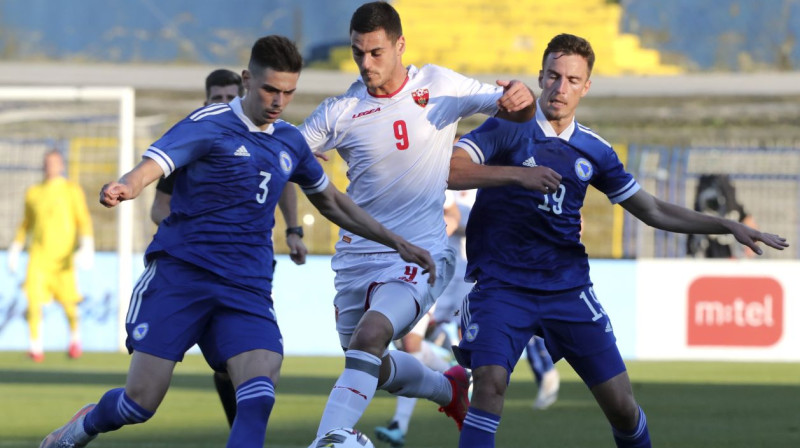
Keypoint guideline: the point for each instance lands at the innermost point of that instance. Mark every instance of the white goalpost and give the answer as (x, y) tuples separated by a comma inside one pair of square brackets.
[(94, 127)]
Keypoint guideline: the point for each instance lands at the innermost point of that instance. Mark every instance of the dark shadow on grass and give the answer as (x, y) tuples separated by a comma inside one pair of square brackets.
[(288, 384)]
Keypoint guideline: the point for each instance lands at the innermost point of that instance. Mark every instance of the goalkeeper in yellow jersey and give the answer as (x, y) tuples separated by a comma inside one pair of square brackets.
[(56, 221)]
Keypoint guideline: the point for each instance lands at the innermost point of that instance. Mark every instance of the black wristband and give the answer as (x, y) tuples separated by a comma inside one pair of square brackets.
[(294, 231)]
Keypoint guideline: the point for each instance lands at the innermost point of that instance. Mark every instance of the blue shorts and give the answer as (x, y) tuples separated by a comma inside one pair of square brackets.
[(175, 305), (498, 320)]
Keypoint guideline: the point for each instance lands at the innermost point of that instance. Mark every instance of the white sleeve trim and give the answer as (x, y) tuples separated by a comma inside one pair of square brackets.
[(319, 186), (625, 192), (161, 158), (472, 149)]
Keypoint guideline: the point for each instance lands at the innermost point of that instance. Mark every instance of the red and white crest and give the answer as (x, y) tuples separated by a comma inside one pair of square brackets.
[(420, 97)]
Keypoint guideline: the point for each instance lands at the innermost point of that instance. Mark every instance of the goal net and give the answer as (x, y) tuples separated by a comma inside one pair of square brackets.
[(94, 129)]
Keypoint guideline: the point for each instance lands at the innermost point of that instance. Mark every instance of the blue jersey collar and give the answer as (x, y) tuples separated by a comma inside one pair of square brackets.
[(547, 128), (236, 106)]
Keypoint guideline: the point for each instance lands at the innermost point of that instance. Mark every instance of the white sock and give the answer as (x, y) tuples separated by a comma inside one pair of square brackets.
[(75, 337), (403, 411), (36, 346), (410, 378), (352, 392), (430, 358)]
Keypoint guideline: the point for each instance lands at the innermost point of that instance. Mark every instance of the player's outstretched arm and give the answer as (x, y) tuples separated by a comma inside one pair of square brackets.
[(674, 218), (130, 185), (342, 211), (466, 174), (518, 103), (288, 205)]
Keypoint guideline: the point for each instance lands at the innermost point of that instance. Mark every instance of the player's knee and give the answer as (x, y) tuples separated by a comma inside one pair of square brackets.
[(372, 334), (623, 414), (490, 381)]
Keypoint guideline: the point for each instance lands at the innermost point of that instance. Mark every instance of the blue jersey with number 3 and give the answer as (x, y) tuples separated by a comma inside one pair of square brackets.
[(525, 237), (223, 204)]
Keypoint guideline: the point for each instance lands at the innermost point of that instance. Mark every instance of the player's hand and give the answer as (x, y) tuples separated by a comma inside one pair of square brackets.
[(516, 96), (297, 249), (13, 256), (749, 237), (541, 179), (419, 256), (113, 193), (321, 155)]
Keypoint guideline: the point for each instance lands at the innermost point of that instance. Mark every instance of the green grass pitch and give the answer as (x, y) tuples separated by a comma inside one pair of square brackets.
[(688, 404)]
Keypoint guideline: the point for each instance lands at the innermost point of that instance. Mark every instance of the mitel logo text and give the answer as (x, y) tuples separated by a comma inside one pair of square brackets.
[(735, 311)]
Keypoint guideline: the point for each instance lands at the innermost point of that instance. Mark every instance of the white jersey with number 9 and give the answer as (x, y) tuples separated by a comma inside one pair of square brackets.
[(397, 148)]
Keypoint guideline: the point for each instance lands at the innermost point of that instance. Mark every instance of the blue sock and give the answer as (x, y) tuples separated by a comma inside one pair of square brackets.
[(479, 429), (639, 437), (114, 410), (254, 400)]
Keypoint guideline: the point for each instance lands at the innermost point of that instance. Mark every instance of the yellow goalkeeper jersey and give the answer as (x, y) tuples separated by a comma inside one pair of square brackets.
[(56, 215)]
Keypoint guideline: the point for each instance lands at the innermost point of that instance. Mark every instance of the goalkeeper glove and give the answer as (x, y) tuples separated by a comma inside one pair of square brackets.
[(84, 258), (13, 256)]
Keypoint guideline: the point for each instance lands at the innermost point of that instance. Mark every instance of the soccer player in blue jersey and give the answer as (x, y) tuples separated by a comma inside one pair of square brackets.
[(223, 86), (524, 249), (209, 267)]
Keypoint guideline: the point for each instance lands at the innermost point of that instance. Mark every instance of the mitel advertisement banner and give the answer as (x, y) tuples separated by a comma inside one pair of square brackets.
[(718, 310)]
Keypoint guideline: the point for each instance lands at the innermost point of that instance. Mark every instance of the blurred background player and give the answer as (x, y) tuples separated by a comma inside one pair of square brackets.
[(544, 372), (56, 221), (716, 196), (223, 86)]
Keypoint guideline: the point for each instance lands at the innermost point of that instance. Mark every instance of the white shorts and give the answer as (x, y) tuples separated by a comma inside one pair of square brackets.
[(450, 301), (358, 274)]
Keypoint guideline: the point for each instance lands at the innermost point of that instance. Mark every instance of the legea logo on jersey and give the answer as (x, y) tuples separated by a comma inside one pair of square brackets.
[(366, 112), (735, 311)]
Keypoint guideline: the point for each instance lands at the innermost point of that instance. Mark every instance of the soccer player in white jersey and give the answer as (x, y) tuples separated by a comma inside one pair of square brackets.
[(208, 279), (394, 127), (525, 254)]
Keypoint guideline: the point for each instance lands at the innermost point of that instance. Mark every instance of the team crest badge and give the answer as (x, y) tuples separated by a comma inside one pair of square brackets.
[(140, 331), (286, 162), (472, 332), (421, 97), (583, 168)]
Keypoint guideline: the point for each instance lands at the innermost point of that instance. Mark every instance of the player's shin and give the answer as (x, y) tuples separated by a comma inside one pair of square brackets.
[(352, 392), (254, 400), (114, 410), (410, 378), (479, 429), (639, 437)]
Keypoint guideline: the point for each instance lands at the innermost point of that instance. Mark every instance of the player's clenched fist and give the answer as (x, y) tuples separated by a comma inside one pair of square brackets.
[(516, 96), (113, 193)]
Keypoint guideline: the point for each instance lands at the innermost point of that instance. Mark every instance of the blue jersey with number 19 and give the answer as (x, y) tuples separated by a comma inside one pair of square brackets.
[(223, 204), (527, 238)]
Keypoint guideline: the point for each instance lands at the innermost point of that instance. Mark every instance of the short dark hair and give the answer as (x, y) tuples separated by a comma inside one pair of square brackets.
[(221, 78), (275, 52), (373, 16), (570, 44)]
